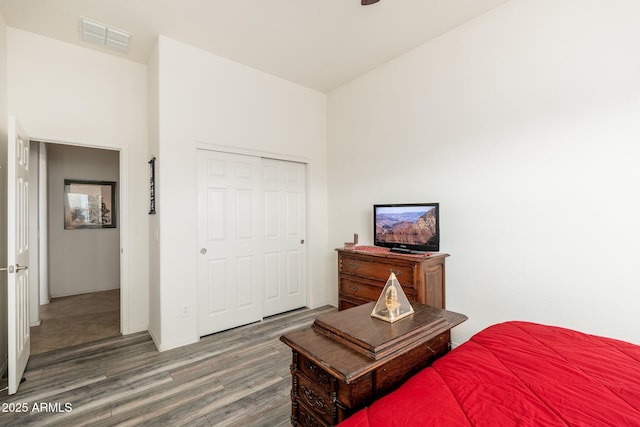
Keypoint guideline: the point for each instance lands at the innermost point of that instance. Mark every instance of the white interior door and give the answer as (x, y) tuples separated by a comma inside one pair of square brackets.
[(230, 234), (17, 252), (284, 255)]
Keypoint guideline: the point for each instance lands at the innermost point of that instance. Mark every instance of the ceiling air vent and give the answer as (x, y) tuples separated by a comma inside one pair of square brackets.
[(100, 34)]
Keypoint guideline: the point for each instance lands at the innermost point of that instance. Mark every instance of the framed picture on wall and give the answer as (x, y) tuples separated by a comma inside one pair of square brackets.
[(89, 204)]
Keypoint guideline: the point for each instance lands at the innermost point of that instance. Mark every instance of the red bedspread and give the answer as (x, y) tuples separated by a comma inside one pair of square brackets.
[(519, 373)]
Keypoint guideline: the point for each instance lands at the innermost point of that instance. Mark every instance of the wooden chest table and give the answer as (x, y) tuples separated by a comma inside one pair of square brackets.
[(336, 372)]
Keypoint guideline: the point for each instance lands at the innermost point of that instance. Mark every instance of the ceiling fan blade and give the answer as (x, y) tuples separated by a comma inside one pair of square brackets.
[(368, 2)]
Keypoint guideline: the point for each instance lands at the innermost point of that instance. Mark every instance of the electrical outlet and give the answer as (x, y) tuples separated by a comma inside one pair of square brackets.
[(185, 311)]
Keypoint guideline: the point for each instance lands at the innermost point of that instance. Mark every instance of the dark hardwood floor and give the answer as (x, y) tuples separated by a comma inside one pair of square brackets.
[(238, 377)]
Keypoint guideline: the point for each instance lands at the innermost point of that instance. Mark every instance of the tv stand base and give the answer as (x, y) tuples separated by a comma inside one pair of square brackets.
[(399, 250)]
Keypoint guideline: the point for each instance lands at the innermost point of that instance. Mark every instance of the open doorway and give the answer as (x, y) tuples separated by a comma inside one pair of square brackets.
[(75, 292)]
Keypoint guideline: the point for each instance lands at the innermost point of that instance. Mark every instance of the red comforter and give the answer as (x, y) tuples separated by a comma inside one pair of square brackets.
[(519, 373)]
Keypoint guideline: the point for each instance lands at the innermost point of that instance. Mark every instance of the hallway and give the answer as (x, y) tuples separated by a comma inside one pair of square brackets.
[(77, 319)]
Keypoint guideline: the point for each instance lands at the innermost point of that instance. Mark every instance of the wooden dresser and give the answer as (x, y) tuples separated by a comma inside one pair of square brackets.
[(363, 272)]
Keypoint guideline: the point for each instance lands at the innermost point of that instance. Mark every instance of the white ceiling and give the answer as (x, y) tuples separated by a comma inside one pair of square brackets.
[(320, 44)]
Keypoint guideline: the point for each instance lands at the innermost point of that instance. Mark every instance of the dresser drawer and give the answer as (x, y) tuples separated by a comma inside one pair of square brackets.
[(315, 399), (315, 373), (369, 292), (376, 270), (306, 418)]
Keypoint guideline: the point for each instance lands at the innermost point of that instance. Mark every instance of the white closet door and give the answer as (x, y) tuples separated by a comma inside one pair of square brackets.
[(230, 234), (284, 186)]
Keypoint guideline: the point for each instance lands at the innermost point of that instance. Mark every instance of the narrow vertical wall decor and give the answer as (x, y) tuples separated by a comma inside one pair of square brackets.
[(152, 186)]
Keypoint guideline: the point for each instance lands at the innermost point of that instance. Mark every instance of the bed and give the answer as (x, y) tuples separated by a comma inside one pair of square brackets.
[(519, 373)]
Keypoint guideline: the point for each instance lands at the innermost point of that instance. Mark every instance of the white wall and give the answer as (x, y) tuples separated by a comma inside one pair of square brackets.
[(524, 124), (66, 93), (206, 99), (81, 260)]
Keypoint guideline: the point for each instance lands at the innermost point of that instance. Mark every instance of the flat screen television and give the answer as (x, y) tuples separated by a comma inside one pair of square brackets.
[(407, 228)]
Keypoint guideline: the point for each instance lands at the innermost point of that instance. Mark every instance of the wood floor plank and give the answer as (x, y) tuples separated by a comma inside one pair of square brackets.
[(238, 377), (257, 407)]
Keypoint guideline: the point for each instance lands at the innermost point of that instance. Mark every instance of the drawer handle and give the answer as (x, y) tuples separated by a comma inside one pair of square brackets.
[(354, 266), (397, 273), (354, 288)]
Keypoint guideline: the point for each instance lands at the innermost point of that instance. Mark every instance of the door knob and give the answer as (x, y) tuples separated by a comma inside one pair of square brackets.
[(203, 251), (13, 269)]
